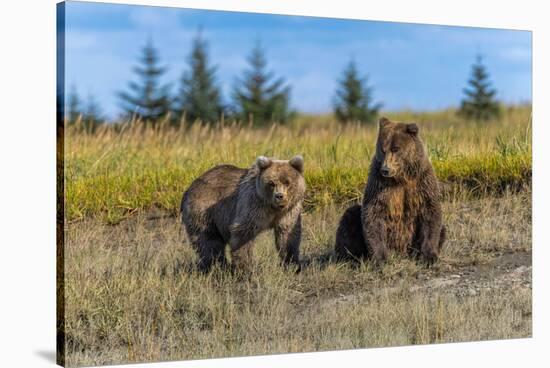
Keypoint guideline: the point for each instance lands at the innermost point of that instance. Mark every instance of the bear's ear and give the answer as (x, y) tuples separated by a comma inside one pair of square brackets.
[(412, 129), (297, 162), (383, 122), (263, 162)]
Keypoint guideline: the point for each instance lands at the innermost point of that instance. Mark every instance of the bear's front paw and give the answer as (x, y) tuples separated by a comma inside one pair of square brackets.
[(295, 265), (429, 256), (378, 260)]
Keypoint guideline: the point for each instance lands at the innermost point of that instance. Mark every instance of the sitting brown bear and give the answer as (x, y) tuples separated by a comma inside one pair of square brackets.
[(401, 209), (230, 205)]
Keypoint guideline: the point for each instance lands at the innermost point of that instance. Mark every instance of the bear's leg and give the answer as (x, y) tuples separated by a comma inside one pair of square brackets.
[(414, 249), (241, 244), (374, 231), (242, 257), (350, 243), (288, 233), (430, 231), (442, 236), (210, 250)]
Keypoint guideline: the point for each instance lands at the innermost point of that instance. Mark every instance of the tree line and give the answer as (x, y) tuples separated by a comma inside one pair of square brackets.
[(258, 97)]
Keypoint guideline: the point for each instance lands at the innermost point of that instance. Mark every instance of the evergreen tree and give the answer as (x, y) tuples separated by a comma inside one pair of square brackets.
[(147, 98), (92, 116), (353, 101), (258, 97), (199, 96), (74, 106), (479, 103)]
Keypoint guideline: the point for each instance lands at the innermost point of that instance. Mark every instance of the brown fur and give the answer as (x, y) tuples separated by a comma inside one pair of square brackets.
[(230, 205), (401, 208)]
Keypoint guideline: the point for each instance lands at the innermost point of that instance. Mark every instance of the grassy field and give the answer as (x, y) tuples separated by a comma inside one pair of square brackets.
[(113, 174), (133, 294)]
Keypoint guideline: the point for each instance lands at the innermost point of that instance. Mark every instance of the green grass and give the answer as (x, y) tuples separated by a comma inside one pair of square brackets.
[(114, 173)]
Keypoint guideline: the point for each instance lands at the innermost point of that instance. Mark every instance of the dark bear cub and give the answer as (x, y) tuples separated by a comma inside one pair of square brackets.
[(231, 205), (401, 208)]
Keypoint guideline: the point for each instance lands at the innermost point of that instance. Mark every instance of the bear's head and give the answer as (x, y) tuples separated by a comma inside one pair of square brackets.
[(400, 153), (280, 183)]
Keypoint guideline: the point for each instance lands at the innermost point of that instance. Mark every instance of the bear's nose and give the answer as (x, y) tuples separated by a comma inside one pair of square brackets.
[(278, 196)]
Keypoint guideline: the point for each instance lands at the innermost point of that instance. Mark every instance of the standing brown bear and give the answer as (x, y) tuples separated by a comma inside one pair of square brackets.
[(231, 205), (401, 208)]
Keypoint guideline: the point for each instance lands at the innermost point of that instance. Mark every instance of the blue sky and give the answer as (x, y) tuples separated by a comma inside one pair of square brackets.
[(409, 66)]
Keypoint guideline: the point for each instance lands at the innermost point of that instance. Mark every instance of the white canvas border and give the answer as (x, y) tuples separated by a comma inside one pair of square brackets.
[(27, 202)]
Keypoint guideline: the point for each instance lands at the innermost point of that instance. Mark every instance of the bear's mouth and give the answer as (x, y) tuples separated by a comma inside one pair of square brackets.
[(278, 206)]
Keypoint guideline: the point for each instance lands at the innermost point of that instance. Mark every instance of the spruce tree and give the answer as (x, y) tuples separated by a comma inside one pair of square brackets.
[(199, 96), (92, 116), (147, 98), (353, 100), (479, 103), (74, 106), (258, 96)]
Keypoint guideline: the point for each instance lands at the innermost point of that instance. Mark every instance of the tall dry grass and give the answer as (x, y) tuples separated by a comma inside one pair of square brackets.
[(118, 171), (133, 294)]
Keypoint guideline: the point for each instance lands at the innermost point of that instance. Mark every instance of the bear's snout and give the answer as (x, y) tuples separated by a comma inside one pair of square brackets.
[(386, 172), (279, 200)]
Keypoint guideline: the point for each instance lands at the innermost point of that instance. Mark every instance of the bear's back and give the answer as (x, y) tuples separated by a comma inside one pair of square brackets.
[(211, 195), (215, 184)]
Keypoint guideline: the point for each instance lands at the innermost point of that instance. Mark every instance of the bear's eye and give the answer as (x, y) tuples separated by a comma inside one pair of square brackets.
[(285, 182), (394, 149), (271, 183)]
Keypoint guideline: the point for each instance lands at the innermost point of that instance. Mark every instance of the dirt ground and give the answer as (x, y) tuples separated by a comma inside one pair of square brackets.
[(508, 272), (133, 294)]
